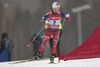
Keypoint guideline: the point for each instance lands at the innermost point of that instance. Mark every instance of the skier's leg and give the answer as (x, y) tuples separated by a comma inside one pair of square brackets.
[(46, 38), (55, 40), (54, 45), (41, 48), (51, 42), (58, 43)]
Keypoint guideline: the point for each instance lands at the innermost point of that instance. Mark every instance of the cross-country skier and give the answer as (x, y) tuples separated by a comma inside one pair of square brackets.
[(53, 20), (51, 40)]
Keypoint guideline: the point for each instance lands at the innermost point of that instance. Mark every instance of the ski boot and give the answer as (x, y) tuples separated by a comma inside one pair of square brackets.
[(52, 58), (37, 56)]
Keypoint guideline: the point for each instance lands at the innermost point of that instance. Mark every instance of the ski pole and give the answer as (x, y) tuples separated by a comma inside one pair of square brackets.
[(63, 22), (59, 33), (35, 36)]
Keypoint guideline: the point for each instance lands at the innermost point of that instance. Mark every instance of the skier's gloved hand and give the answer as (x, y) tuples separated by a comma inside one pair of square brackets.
[(67, 15), (42, 21), (68, 18)]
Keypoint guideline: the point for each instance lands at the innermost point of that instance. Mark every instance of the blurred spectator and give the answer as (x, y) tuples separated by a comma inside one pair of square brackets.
[(6, 43), (36, 43)]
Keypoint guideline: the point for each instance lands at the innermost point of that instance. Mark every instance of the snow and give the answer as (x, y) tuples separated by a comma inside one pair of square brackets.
[(93, 62)]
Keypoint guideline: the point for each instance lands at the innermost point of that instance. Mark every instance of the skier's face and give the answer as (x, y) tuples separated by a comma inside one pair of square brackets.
[(56, 9)]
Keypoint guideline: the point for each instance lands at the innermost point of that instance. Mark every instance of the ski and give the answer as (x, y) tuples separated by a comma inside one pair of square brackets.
[(23, 61), (20, 61)]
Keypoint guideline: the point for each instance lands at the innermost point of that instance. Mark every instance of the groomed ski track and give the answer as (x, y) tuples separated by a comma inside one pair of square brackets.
[(93, 62)]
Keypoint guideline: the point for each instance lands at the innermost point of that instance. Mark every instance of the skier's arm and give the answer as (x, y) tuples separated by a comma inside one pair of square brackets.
[(43, 19), (68, 18)]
